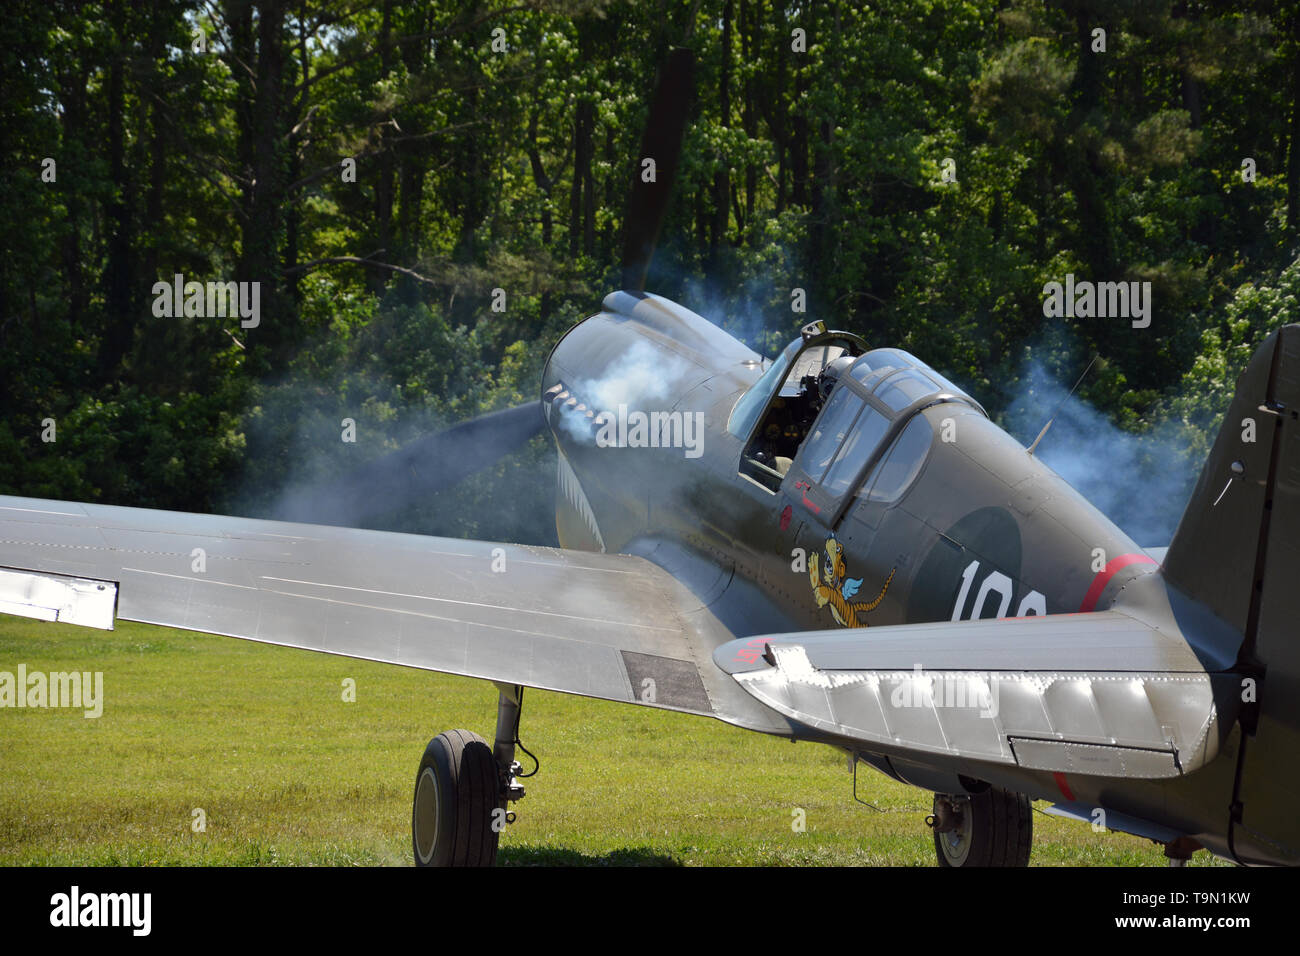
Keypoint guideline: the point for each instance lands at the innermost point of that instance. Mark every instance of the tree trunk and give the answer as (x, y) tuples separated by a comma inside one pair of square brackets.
[(264, 200), (1293, 153), (384, 180), (119, 275), (581, 194), (721, 177), (73, 96), (747, 112)]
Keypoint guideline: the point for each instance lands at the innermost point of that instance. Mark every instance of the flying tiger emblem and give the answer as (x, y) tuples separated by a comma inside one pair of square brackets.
[(831, 586)]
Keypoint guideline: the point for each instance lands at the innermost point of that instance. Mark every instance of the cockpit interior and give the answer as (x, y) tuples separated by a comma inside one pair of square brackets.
[(788, 398), (881, 388)]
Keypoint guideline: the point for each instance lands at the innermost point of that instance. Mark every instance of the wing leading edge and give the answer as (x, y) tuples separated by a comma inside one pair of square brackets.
[(614, 627), (1100, 693)]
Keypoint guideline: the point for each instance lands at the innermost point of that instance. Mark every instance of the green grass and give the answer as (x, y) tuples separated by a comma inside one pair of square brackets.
[(286, 772)]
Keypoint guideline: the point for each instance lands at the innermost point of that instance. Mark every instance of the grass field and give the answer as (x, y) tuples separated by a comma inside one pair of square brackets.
[(260, 739)]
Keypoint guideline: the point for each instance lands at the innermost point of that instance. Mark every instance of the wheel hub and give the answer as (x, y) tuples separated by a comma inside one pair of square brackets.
[(426, 815), (953, 825)]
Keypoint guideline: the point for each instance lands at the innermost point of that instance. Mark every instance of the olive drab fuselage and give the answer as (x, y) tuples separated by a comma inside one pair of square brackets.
[(910, 506)]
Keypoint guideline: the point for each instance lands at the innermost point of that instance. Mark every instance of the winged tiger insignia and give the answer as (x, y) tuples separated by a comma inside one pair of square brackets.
[(832, 586)]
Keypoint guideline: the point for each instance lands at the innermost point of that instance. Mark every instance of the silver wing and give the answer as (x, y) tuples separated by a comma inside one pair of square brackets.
[(615, 627)]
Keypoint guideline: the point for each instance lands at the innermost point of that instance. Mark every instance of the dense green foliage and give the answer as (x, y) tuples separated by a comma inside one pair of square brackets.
[(208, 139)]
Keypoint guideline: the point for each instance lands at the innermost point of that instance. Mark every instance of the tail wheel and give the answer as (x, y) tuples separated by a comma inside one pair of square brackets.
[(992, 828), (456, 792)]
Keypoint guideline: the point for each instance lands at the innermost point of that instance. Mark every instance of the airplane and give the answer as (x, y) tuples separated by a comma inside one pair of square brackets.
[(856, 556), (837, 545)]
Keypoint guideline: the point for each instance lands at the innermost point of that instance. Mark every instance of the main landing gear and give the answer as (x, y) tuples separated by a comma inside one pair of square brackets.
[(462, 790), (994, 827)]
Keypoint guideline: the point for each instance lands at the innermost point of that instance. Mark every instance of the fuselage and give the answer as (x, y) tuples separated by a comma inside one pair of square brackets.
[(643, 400), (971, 525)]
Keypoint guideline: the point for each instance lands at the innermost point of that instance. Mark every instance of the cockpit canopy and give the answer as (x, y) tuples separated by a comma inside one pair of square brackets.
[(899, 378), (860, 435)]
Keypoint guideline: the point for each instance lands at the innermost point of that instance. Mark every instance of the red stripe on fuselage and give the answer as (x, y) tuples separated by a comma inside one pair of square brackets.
[(1103, 577), (1065, 787)]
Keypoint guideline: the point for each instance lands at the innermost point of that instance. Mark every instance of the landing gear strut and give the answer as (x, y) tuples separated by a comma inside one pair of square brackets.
[(993, 827), (462, 789)]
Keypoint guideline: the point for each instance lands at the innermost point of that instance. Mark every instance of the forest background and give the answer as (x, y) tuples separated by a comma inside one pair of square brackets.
[(920, 169)]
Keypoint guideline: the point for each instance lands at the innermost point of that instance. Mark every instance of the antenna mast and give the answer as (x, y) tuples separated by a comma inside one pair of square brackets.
[(1061, 404)]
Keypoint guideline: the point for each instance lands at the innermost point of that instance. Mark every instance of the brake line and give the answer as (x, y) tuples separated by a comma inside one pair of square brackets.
[(519, 713)]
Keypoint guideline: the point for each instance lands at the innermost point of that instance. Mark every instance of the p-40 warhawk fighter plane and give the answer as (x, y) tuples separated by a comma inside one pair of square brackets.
[(849, 551)]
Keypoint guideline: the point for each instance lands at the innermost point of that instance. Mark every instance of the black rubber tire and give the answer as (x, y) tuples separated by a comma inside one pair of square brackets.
[(456, 792), (1001, 834)]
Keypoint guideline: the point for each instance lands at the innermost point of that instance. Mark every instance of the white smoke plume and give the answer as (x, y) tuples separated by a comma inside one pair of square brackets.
[(641, 376), (1140, 481)]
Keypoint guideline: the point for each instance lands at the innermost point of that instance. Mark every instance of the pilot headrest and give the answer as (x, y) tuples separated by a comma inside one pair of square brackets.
[(831, 374)]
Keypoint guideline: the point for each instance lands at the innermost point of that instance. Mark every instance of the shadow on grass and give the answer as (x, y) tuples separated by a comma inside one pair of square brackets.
[(558, 856)]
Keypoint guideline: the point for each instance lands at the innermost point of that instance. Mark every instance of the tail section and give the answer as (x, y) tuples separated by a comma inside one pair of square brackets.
[(1237, 551), (1219, 551)]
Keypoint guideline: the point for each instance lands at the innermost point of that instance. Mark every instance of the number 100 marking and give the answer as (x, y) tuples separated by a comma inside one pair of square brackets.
[(995, 582)]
